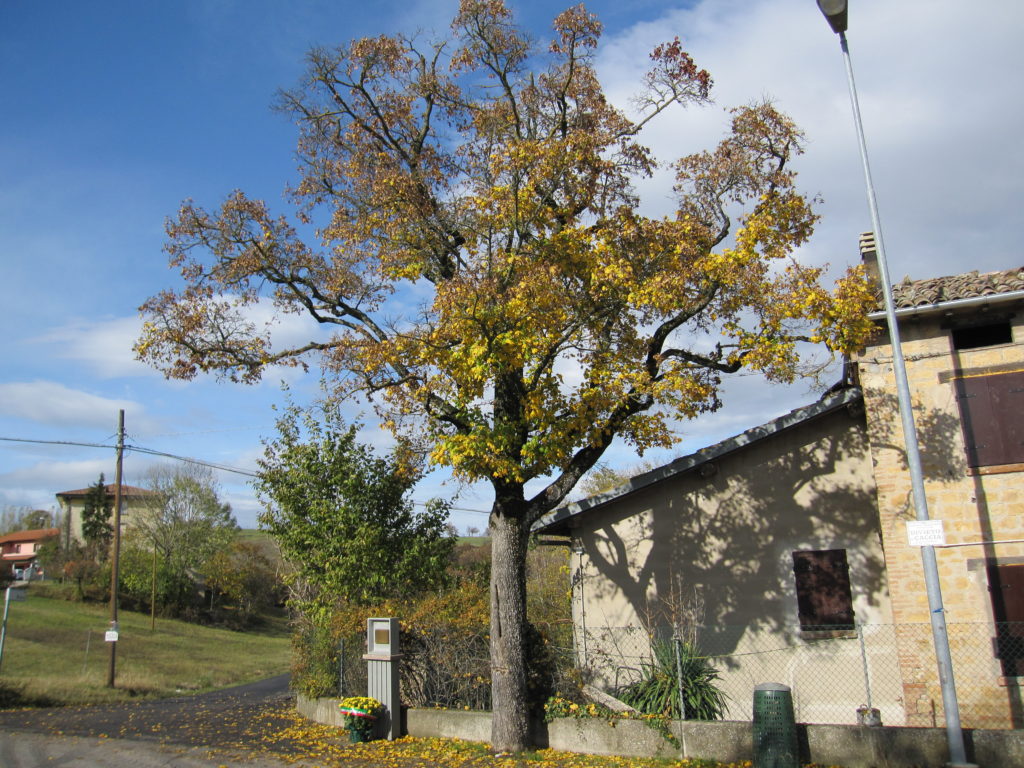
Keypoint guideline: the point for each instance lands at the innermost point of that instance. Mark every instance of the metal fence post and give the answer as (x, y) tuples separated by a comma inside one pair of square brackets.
[(864, 663), (341, 667), (678, 645), (866, 715)]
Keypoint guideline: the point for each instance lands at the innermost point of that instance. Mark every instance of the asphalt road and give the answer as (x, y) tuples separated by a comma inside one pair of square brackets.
[(232, 727)]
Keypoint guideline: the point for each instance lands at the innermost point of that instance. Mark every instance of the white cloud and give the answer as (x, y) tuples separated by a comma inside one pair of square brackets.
[(942, 130), (35, 485), (105, 346), (54, 404)]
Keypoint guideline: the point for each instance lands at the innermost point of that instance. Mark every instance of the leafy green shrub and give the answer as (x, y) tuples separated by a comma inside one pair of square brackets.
[(315, 660), (175, 591), (657, 690)]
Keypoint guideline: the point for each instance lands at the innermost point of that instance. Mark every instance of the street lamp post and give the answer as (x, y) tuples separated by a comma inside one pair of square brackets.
[(835, 12)]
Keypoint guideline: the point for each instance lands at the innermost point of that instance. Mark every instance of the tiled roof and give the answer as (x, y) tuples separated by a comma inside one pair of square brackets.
[(911, 294), (36, 534), (111, 489), (969, 285)]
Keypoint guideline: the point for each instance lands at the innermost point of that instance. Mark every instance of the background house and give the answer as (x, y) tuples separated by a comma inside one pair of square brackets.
[(785, 548), (135, 502), (18, 550)]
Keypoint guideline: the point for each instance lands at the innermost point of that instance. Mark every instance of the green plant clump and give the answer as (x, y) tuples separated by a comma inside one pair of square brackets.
[(662, 677)]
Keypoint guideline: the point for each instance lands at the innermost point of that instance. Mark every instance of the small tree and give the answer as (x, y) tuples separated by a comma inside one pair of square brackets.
[(243, 579), (37, 519), (185, 521), (174, 589), (343, 520), (342, 515), (79, 565), (97, 529)]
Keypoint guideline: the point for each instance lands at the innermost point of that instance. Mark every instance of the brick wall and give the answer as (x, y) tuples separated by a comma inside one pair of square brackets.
[(973, 507)]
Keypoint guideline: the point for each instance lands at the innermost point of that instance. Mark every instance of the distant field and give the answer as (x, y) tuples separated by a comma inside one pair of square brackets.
[(55, 653), (254, 534)]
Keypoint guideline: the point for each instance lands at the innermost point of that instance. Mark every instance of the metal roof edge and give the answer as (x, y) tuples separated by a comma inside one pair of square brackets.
[(829, 402), (951, 305)]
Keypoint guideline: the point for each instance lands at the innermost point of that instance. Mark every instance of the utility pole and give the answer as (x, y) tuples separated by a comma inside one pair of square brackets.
[(116, 554), (152, 593)]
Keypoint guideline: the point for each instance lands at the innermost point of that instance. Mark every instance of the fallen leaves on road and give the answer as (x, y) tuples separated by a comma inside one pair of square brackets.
[(273, 730), (306, 743)]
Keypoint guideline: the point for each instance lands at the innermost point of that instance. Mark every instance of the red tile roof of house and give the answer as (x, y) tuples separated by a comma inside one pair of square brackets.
[(36, 534), (968, 285), (910, 294), (111, 489)]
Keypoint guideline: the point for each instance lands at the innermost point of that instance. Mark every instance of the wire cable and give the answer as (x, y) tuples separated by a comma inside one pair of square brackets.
[(187, 459)]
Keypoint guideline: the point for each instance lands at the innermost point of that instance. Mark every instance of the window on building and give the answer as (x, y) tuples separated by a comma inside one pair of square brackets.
[(977, 336), (823, 597), (1006, 590), (992, 418)]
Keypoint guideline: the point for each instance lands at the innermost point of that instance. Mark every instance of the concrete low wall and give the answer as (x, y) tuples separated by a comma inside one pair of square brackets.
[(850, 746)]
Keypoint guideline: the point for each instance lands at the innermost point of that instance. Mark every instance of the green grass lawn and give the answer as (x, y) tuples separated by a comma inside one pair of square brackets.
[(54, 653)]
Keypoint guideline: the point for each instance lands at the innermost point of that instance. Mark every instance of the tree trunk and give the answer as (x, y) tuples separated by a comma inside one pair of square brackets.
[(510, 723)]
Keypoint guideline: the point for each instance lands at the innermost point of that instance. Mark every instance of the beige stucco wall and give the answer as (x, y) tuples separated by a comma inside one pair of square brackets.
[(973, 508), (725, 542), (132, 508)]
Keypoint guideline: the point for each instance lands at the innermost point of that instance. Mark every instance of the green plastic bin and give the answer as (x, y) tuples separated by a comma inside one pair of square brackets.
[(775, 742)]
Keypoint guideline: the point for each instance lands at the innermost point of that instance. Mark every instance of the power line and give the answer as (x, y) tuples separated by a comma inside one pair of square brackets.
[(455, 509), (137, 449), (55, 442), (187, 459)]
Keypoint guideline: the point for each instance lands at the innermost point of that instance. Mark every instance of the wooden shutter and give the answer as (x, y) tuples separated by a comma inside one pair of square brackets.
[(823, 596), (1006, 589), (992, 418)]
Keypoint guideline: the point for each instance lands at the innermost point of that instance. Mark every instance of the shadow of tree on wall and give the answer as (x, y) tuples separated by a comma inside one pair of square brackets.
[(728, 535), (939, 439)]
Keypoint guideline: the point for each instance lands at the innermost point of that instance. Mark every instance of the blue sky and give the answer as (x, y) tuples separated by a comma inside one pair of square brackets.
[(114, 112)]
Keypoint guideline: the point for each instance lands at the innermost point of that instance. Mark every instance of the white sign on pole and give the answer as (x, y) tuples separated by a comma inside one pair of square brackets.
[(926, 533), (110, 636)]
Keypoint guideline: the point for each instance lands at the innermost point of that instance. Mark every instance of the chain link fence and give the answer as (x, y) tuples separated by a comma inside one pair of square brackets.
[(832, 672), (440, 667)]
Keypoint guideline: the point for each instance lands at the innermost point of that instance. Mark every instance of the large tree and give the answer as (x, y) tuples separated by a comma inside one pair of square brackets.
[(482, 271)]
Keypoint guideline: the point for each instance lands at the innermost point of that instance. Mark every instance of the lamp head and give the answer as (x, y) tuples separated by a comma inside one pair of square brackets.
[(835, 14)]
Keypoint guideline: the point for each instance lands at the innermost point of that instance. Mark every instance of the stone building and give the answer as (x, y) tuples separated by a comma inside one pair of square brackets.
[(963, 341), (791, 538), (135, 502)]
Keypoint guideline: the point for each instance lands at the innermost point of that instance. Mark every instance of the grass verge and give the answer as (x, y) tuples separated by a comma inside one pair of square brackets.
[(54, 653)]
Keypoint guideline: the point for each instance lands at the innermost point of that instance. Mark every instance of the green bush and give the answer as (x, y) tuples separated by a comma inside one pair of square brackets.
[(315, 660), (657, 690)]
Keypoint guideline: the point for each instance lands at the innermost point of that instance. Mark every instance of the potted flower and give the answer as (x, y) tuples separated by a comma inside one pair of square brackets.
[(360, 713)]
